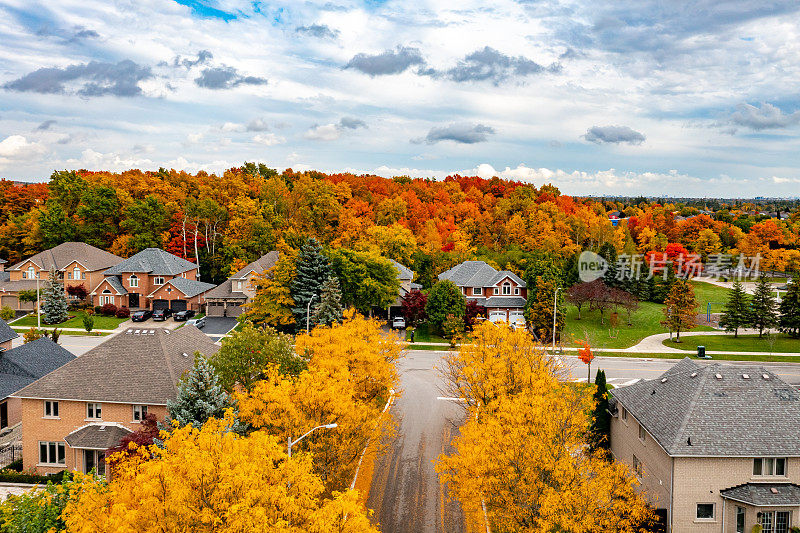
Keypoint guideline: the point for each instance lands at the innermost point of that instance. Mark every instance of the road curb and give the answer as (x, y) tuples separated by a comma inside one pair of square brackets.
[(364, 451)]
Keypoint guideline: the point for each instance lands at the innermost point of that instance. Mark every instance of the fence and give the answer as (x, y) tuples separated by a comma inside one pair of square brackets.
[(10, 453)]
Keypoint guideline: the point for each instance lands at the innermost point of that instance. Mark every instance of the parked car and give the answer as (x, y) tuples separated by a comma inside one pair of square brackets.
[(181, 316), (141, 315), (197, 322), (398, 322), (161, 314)]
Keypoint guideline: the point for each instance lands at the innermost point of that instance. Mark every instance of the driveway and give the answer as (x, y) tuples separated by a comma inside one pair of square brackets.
[(217, 325)]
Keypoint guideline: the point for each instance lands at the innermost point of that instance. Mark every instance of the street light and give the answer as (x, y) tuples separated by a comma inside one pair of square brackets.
[(308, 312), (292, 443), (555, 311)]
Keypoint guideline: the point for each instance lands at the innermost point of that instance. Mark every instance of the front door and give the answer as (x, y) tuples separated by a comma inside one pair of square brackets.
[(133, 300)]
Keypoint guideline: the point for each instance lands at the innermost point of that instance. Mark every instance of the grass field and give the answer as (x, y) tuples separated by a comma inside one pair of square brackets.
[(100, 322), (423, 334), (743, 343), (707, 293), (70, 333)]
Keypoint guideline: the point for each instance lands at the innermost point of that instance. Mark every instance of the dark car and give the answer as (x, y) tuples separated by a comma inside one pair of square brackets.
[(141, 315), (161, 314), (181, 316)]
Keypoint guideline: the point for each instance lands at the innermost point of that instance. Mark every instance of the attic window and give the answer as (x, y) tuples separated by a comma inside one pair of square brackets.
[(718, 376), (746, 376)]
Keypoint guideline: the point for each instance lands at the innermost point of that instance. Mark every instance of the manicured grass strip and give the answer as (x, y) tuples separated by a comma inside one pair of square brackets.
[(100, 322), (423, 334), (726, 357), (71, 333), (743, 343)]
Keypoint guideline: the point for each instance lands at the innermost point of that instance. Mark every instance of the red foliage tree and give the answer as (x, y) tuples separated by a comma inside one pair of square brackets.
[(586, 356), (413, 307), (145, 436), (79, 291), (472, 312)]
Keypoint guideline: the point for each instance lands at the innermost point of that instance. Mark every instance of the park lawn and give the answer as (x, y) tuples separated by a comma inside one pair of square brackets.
[(743, 343), (708, 293), (100, 322)]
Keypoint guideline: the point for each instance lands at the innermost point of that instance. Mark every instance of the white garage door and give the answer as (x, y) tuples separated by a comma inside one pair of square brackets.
[(516, 315), (497, 316)]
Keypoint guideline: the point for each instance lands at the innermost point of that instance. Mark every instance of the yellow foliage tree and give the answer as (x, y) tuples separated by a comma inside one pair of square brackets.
[(522, 452), (349, 378), (212, 479), (273, 303)]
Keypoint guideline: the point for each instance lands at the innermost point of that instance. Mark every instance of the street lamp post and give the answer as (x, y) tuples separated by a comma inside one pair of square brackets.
[(308, 312), (292, 443), (38, 307), (555, 311)]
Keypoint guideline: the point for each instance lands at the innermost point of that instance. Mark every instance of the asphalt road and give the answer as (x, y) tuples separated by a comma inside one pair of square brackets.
[(406, 494)]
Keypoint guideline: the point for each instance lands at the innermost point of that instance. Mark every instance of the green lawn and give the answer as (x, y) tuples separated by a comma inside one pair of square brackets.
[(100, 322), (71, 333), (743, 343), (423, 334), (706, 292)]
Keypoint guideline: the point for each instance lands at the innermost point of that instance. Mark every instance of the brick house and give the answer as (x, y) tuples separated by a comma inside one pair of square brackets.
[(71, 416), (716, 447), (77, 263), (405, 276), (502, 293), (152, 279), (227, 298)]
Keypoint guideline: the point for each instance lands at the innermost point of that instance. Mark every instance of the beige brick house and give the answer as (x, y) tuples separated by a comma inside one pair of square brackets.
[(71, 416), (227, 298), (716, 447), (502, 293)]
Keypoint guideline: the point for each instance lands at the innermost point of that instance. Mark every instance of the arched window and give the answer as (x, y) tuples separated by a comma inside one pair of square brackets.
[(76, 273), (31, 272), (133, 281), (104, 299), (506, 288)]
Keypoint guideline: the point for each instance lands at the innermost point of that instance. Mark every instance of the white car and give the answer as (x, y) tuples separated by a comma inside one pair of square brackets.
[(199, 323), (398, 322)]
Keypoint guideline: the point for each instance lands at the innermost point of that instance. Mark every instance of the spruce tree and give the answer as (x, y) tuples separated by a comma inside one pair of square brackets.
[(599, 432), (313, 269), (54, 303), (736, 313), (329, 309), (200, 396), (763, 314), (789, 321)]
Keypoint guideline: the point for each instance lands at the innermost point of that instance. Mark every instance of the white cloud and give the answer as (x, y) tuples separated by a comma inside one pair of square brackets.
[(18, 147), (268, 139), (325, 132)]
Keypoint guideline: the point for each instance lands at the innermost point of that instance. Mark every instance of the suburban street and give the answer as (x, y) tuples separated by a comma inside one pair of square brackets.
[(406, 494)]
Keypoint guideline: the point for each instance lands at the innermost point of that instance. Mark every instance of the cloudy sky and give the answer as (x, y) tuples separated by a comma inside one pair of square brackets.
[(675, 97)]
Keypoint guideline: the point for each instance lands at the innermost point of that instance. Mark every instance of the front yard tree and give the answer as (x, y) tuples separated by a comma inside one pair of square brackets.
[(54, 303), (764, 314), (600, 430), (736, 313), (680, 308), (367, 279), (78, 291), (413, 307), (88, 322), (789, 321), (313, 269), (200, 396), (444, 299), (273, 303), (329, 309)]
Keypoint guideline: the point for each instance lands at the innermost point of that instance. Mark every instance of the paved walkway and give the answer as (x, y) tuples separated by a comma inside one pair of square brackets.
[(7, 489)]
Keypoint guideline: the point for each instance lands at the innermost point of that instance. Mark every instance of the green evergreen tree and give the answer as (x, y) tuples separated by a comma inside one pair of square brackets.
[(600, 430), (329, 310), (200, 396), (444, 299), (736, 313), (763, 314), (54, 302), (313, 269), (789, 321)]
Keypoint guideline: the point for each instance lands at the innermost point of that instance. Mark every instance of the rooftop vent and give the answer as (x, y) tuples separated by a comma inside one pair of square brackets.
[(185, 354), (718, 376), (166, 332), (663, 380), (765, 376), (746, 376), (102, 428), (129, 332), (773, 490), (137, 332), (693, 375)]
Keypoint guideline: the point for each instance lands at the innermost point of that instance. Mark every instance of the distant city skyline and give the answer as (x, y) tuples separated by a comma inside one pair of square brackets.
[(597, 97)]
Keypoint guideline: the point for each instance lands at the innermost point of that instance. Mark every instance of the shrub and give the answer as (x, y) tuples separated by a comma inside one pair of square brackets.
[(108, 310), (6, 313), (11, 476), (123, 312), (97, 309), (15, 465), (88, 322)]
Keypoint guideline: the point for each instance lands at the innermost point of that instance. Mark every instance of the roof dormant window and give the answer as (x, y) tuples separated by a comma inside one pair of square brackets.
[(496, 290), (769, 466), (506, 288)]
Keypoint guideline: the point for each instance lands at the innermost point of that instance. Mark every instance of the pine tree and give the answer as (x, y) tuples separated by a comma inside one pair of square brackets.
[(329, 310), (54, 303), (789, 321), (763, 315), (313, 269), (599, 432), (737, 310), (200, 396)]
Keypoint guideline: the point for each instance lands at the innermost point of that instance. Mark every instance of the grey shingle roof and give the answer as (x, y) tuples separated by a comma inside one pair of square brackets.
[(16, 286), (507, 274), (505, 301), (224, 290), (153, 261), (403, 272), (764, 494), (24, 364), (62, 255), (127, 368), (116, 284), (713, 410), (5, 276), (6, 333), (189, 287), (477, 274), (97, 436), (265, 262)]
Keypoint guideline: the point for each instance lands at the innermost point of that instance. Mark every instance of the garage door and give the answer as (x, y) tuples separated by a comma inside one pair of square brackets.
[(178, 305), (235, 310), (517, 315), (497, 316), (10, 301), (160, 304), (214, 308)]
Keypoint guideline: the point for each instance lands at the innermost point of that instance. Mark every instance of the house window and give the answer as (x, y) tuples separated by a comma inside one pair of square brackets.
[(159, 280), (769, 466), (705, 511), (477, 291), (94, 410), (76, 273), (133, 281), (774, 521), (740, 516), (637, 466), (69, 275), (106, 299), (516, 290), (139, 412), (31, 273), (50, 409), (496, 291), (642, 433), (506, 288), (52, 453), (623, 413), (239, 285)]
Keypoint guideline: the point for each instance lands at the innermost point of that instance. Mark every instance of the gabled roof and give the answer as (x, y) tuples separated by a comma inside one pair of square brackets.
[(403, 272), (764, 494), (24, 364), (115, 284), (140, 366), (97, 436), (154, 261), (265, 262), (62, 255), (477, 274), (714, 410), (6, 333), (188, 287), (224, 290)]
